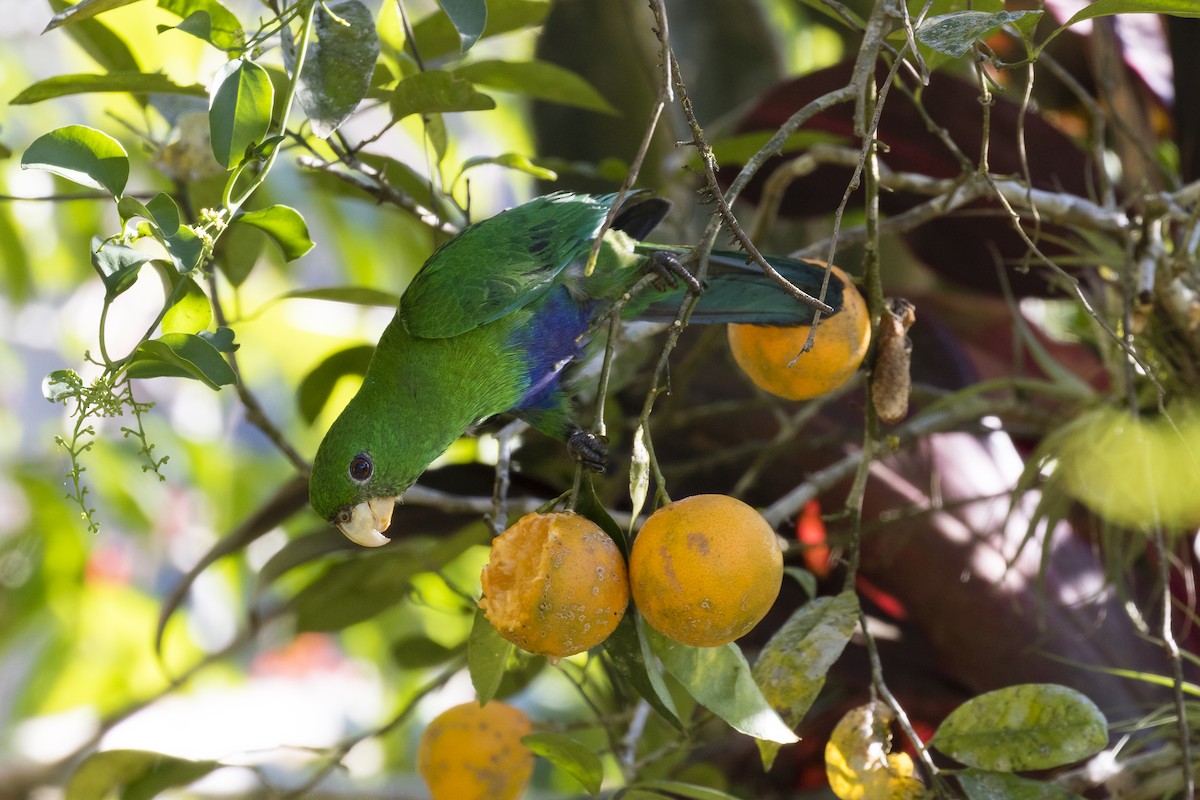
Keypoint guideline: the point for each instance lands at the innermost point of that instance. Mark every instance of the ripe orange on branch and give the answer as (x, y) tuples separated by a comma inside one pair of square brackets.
[(704, 570), (470, 752), (766, 352), (555, 584)]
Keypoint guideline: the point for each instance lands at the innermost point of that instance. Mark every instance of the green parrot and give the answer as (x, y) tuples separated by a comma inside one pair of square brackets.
[(491, 321)]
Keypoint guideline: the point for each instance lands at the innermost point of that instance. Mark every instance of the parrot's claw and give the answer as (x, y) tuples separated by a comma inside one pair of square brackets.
[(590, 449), (669, 270)]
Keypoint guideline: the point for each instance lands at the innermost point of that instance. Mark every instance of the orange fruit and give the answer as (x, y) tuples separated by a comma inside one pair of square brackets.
[(470, 752), (555, 584), (704, 570), (764, 352)]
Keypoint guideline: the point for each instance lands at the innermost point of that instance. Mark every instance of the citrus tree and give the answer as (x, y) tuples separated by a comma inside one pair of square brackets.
[(938, 543)]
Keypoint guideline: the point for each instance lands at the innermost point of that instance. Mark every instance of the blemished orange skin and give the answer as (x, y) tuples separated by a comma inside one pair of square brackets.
[(555, 584), (705, 569), (470, 752), (839, 345)]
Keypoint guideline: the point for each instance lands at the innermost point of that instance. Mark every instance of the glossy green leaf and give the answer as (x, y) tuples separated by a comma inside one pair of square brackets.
[(135, 774), (186, 249), (136, 83), (284, 225), (436, 92), (436, 36), (514, 161), (632, 658), (338, 65), (239, 111), (85, 9), (1107, 8), (720, 679), (469, 18), (118, 266), (540, 80), (570, 756), (224, 29), (181, 355), (221, 339), (955, 33), (191, 313), (314, 390), (373, 581), (687, 790), (421, 652), (791, 668), (81, 154), (981, 785), (487, 657), (161, 210), (1031, 726), (99, 41), (588, 504)]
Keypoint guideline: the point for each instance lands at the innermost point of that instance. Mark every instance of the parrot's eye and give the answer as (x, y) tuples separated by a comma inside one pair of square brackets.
[(361, 468)]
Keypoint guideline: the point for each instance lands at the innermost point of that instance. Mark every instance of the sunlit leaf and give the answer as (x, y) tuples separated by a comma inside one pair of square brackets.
[(99, 41), (284, 225), (239, 111), (181, 355), (435, 35), (487, 656), (354, 295), (791, 669), (1106, 8), (720, 679), (956, 33), (859, 763), (515, 161), (85, 9), (314, 390), (630, 654), (981, 785), (540, 80), (436, 92), (570, 756), (191, 313), (639, 475), (135, 83), (81, 154), (1031, 726), (118, 266), (338, 65), (136, 774), (186, 249), (223, 29)]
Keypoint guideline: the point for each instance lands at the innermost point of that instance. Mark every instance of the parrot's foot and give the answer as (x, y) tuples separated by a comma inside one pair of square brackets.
[(590, 449), (669, 270)]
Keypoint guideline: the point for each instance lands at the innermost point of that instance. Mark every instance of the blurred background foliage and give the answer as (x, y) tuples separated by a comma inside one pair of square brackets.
[(286, 679)]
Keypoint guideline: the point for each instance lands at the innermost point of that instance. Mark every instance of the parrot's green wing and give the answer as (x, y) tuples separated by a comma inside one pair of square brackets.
[(501, 264)]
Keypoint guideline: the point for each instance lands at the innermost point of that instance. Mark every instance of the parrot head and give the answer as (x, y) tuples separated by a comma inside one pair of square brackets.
[(351, 483)]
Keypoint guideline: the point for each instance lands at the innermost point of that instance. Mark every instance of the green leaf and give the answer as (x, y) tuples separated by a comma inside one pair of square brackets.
[(284, 225), (181, 355), (136, 774), (355, 295), (104, 46), (469, 18), (436, 92), (720, 679), (807, 581), (955, 33), (135, 83), (299, 551), (314, 390), (791, 669), (588, 504), (630, 654), (191, 313), (540, 80), (165, 213), (224, 29), (1107, 8), (338, 65), (688, 790), (436, 36), (84, 155), (421, 652), (221, 339), (1032, 726), (61, 384), (373, 581), (118, 266), (570, 756), (515, 161), (980, 785), (239, 112), (86, 9), (186, 249), (487, 657)]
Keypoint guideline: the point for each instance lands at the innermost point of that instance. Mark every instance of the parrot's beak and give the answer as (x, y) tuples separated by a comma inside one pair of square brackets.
[(368, 521)]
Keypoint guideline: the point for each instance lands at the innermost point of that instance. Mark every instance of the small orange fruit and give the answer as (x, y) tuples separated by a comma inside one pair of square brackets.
[(470, 752), (764, 352), (704, 570), (555, 584)]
